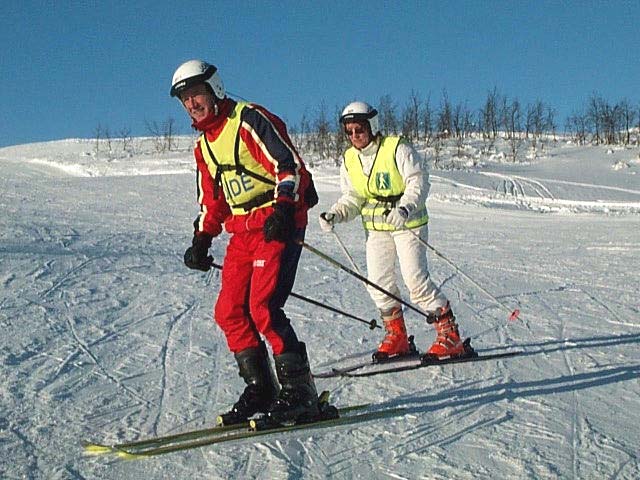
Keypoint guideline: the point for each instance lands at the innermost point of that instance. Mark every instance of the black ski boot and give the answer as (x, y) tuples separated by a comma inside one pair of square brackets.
[(298, 398), (261, 390)]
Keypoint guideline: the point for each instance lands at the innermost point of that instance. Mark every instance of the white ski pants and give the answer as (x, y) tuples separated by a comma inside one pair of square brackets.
[(383, 248)]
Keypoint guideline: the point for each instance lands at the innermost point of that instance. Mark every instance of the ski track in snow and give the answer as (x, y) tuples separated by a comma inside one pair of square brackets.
[(535, 193), (165, 353), (108, 337)]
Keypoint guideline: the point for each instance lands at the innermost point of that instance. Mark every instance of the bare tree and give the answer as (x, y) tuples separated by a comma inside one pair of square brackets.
[(427, 121), (461, 122), (594, 116), (577, 124), (154, 129), (488, 140), (437, 150), (97, 134), (299, 132), (627, 117), (535, 122), (388, 117), (411, 118), (504, 116), (321, 137), (610, 120), (340, 143), (305, 131), (163, 134), (512, 120), (550, 123), (444, 116), (489, 115), (107, 136), (127, 140), (169, 133)]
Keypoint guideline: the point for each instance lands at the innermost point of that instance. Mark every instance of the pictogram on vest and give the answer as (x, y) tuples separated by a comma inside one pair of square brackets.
[(246, 183), (382, 188)]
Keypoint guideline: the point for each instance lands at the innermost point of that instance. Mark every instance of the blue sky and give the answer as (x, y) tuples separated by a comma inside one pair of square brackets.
[(68, 67)]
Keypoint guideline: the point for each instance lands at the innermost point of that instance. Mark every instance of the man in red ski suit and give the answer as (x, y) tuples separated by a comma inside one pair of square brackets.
[(251, 180)]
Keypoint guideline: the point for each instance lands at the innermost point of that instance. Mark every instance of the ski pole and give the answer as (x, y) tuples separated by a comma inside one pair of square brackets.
[(513, 314), (373, 323), (345, 251), (360, 277)]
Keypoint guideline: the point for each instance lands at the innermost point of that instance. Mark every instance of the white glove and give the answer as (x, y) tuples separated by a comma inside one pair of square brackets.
[(398, 216), (328, 220)]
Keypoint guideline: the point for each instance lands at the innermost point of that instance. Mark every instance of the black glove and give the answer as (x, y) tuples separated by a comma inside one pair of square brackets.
[(280, 225), (195, 256)]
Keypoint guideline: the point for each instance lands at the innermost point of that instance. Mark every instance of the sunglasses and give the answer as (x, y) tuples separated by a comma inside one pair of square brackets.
[(354, 131)]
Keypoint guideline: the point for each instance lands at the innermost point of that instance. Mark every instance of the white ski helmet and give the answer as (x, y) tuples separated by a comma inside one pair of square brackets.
[(193, 72), (361, 111)]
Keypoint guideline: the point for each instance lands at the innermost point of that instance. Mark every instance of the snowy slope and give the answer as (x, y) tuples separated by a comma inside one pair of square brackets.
[(106, 336)]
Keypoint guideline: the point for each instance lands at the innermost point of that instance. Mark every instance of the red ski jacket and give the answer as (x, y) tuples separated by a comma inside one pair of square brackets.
[(266, 138)]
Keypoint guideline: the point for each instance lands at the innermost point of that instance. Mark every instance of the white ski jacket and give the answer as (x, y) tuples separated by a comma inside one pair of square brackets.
[(411, 167)]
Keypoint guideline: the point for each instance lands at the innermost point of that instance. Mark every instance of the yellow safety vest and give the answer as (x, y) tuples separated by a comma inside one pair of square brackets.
[(382, 188), (246, 183)]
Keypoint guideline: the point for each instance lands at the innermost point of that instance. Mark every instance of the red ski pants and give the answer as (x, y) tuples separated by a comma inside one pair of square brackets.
[(257, 278)]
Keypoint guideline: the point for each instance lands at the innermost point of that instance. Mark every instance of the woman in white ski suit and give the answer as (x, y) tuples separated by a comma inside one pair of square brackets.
[(393, 225)]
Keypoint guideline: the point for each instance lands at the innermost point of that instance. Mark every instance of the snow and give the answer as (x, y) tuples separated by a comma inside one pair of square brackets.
[(107, 337)]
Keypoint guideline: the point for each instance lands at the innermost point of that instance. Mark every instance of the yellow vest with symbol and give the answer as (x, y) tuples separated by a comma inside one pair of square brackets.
[(246, 183), (382, 187)]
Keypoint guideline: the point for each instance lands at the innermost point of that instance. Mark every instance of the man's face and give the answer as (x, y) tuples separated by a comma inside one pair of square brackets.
[(358, 133), (198, 101)]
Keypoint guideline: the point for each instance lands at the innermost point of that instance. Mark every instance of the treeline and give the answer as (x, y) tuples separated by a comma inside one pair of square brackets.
[(438, 124), (445, 122), (162, 136), (603, 123)]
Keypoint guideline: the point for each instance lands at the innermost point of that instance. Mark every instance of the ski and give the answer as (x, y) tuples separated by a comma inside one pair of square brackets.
[(428, 362), (339, 371), (192, 435), (100, 448), (346, 417)]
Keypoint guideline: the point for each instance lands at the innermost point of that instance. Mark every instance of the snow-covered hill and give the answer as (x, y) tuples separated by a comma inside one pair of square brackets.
[(106, 336)]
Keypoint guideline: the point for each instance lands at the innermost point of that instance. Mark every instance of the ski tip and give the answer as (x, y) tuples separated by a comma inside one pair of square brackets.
[(123, 454), (96, 449)]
